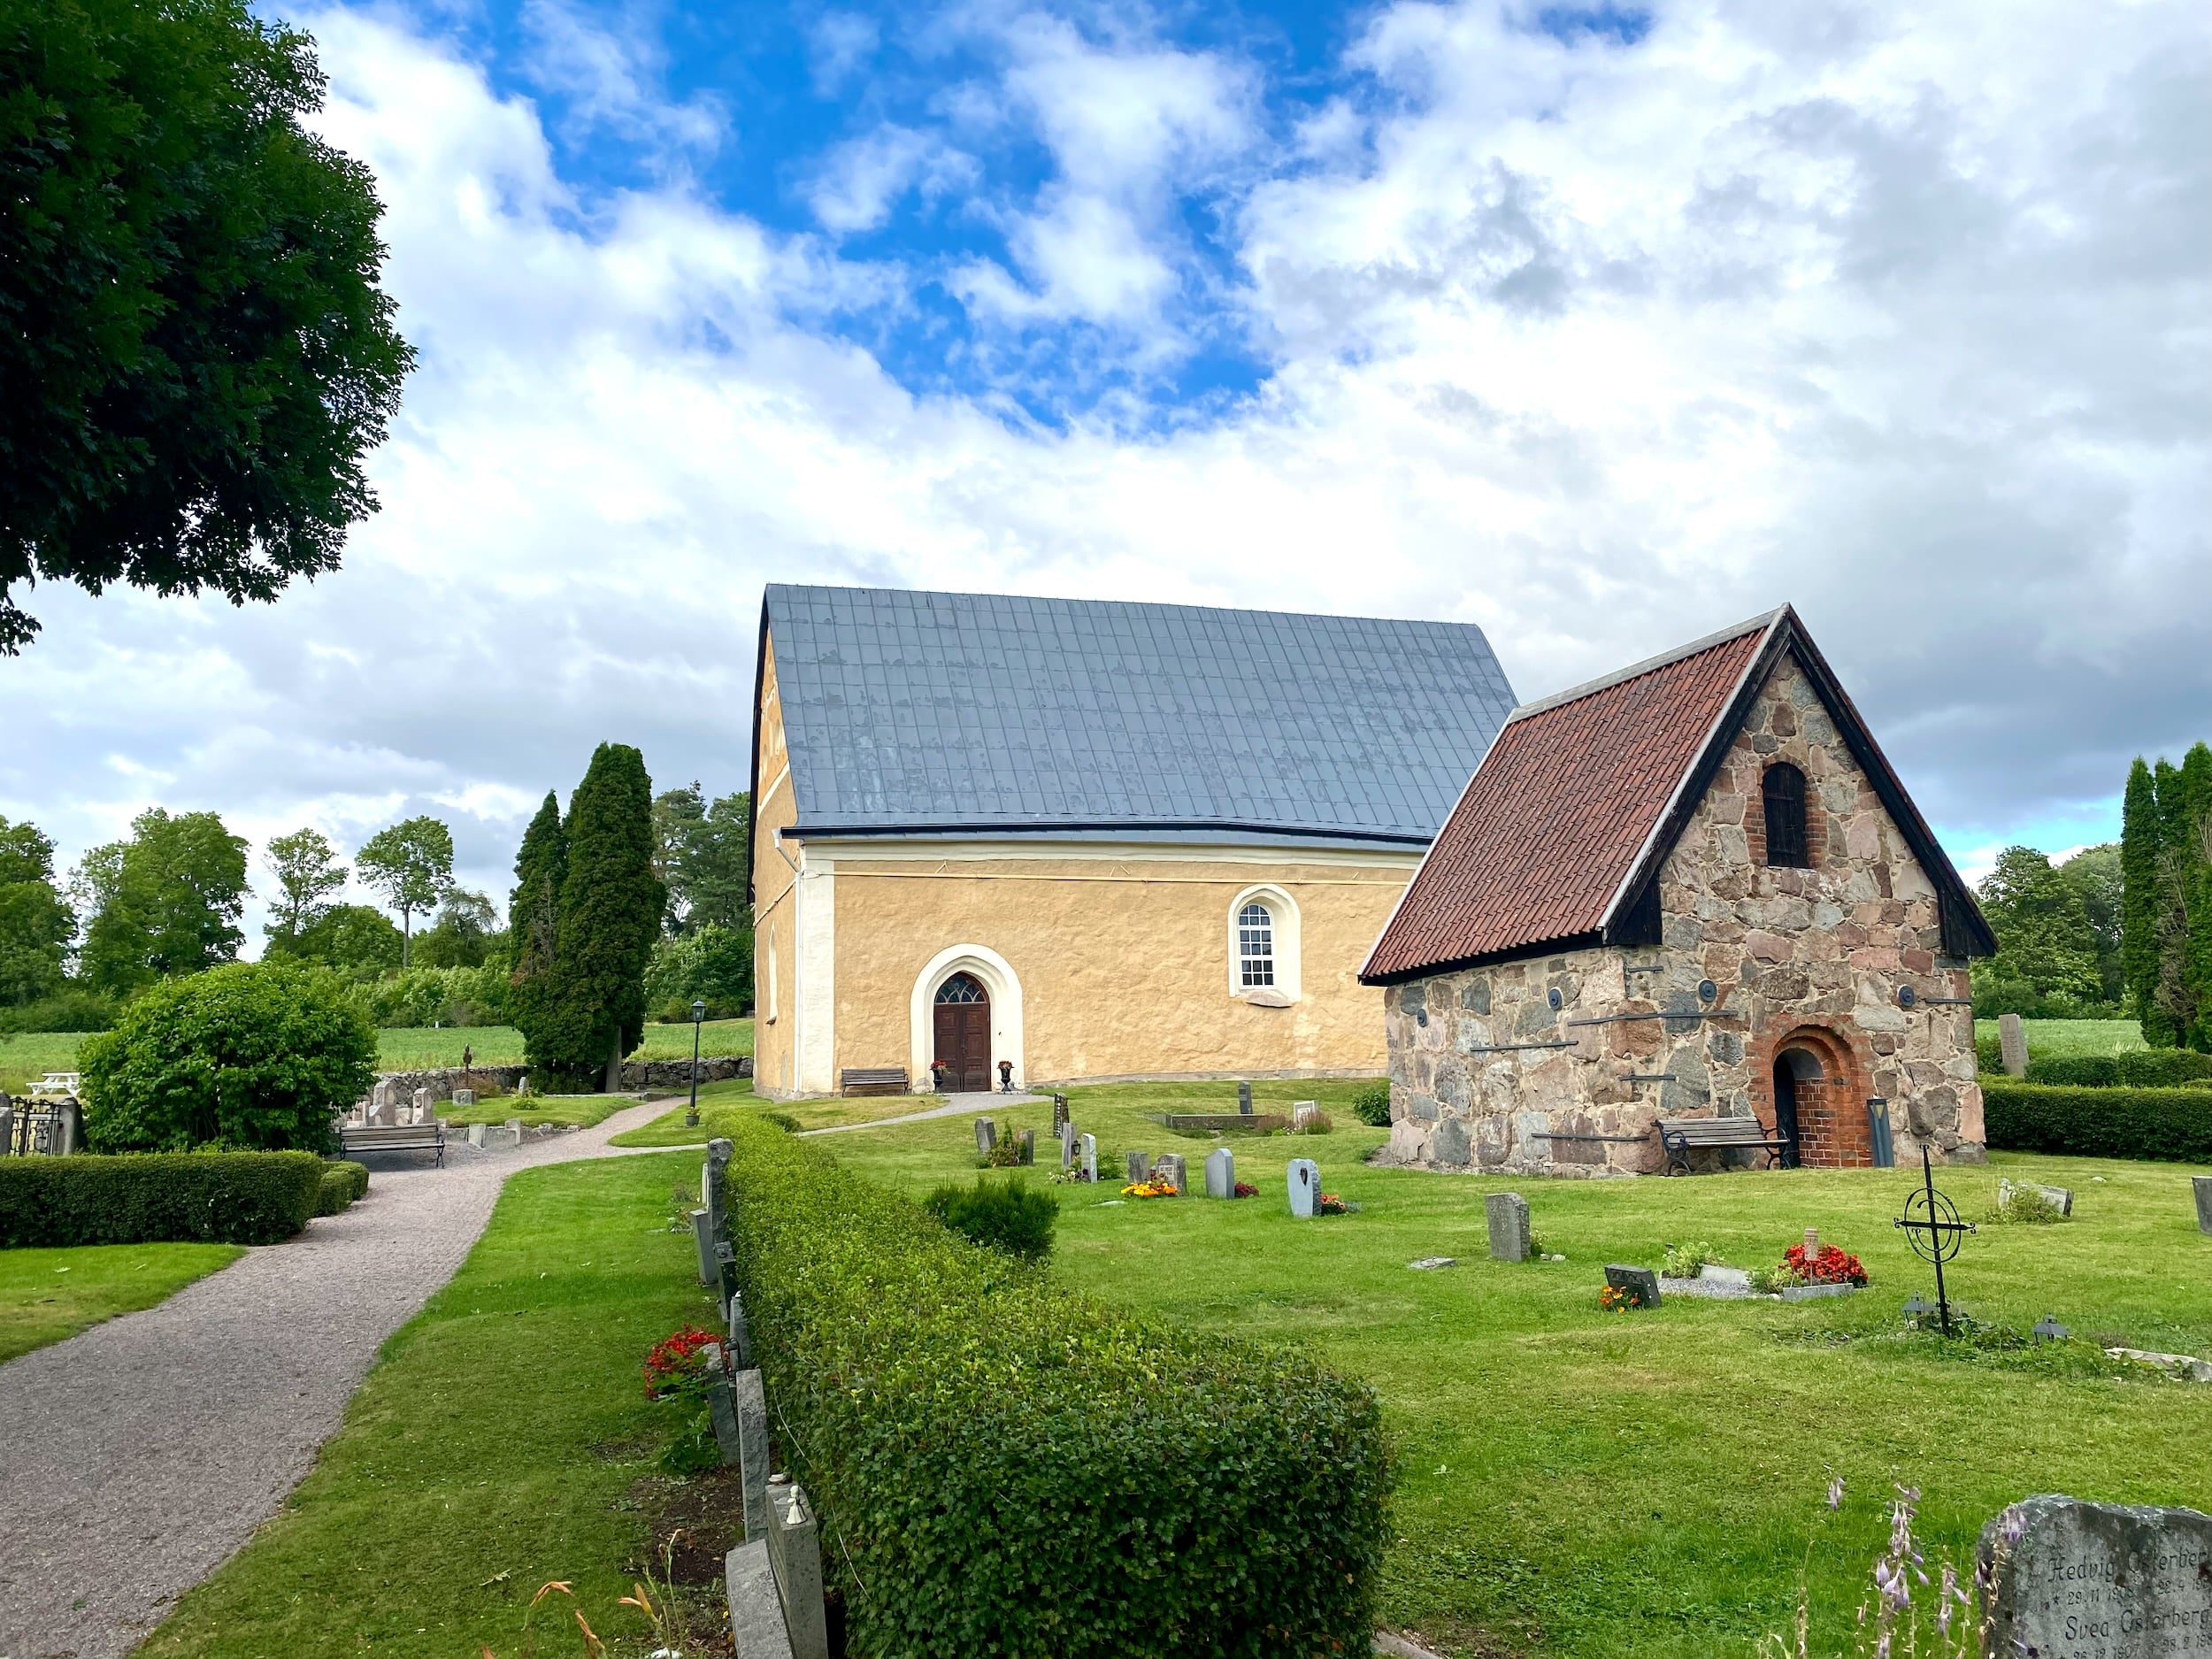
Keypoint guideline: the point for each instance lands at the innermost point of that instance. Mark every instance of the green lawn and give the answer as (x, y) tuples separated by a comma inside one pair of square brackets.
[(2053, 1039), (25, 1056), (720, 1104), (502, 1441), (48, 1296), (579, 1111), (1581, 1483)]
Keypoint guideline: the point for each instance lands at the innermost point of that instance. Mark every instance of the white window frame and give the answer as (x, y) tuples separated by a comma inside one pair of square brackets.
[(1282, 912)]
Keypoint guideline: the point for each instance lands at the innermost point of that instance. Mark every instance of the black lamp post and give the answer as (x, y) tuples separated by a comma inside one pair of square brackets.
[(698, 1014)]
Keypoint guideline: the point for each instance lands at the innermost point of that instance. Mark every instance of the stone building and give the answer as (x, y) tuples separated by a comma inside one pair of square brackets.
[(1089, 840), (1693, 888)]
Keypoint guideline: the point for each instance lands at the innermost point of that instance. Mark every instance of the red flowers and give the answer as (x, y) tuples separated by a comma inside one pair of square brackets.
[(678, 1364), (1830, 1265)]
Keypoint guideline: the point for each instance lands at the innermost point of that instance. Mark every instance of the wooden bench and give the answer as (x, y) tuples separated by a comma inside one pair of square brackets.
[(1682, 1136), (873, 1079), (428, 1137)]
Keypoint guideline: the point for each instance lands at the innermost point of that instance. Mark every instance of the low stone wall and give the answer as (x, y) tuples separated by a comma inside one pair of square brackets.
[(636, 1074)]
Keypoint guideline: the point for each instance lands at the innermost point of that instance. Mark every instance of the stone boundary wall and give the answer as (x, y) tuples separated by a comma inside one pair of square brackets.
[(636, 1074)]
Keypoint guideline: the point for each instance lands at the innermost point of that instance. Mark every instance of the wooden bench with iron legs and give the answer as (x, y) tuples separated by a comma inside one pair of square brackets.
[(430, 1137), (873, 1079), (1682, 1136)]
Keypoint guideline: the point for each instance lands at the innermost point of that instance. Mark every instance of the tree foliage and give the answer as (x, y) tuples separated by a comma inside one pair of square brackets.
[(36, 924), (2044, 938), (609, 914), (700, 852), (466, 934), (2166, 901), (258, 1055), (358, 937), (307, 873), (709, 964), (164, 903), (411, 864), (195, 355), (534, 912)]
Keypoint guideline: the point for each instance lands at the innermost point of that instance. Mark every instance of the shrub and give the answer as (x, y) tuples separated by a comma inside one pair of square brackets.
[(343, 1183), (1688, 1260), (1007, 1215), (2146, 1068), (2173, 1125), (1010, 1467), (1317, 1123), (2024, 1204), (262, 1055), (70, 1009), (1372, 1105), (223, 1197)]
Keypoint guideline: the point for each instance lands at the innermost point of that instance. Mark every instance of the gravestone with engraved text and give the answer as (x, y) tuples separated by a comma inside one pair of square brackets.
[(2067, 1580)]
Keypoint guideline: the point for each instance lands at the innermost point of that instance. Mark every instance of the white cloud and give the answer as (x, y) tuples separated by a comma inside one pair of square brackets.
[(860, 181), (613, 81)]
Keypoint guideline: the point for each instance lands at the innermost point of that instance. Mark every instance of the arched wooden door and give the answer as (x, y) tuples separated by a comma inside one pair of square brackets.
[(962, 1019)]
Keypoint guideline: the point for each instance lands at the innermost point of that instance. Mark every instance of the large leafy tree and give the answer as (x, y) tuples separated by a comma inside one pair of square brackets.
[(166, 902), (356, 936), (307, 873), (36, 924), (411, 864), (2095, 873), (195, 355), (466, 932), (701, 854), (534, 912), (611, 908), (2044, 938)]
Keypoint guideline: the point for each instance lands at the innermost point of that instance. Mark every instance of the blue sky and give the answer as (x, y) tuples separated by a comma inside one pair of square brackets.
[(1601, 329)]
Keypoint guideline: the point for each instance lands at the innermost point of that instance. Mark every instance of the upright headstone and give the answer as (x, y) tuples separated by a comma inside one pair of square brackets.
[(522, 1084), (1221, 1173), (1066, 1138), (986, 1137), (752, 1448), (1090, 1157), (1244, 1098), (794, 1546), (7, 1143), (1029, 1146), (426, 1106), (1303, 1112), (722, 1408), (2203, 1186), (514, 1130), (384, 1102), (68, 1128), (1641, 1283), (748, 1581), (476, 1134), (703, 1235), (1059, 1112), (1507, 1215), (740, 1334), (1139, 1165), (1169, 1167), (2068, 1579), (463, 1098), (2012, 1045), (1305, 1188), (714, 1184)]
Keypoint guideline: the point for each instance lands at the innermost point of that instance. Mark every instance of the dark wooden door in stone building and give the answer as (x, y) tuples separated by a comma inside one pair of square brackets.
[(963, 1032)]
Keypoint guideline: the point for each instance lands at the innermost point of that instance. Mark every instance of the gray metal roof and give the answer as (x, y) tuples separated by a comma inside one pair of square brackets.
[(987, 713)]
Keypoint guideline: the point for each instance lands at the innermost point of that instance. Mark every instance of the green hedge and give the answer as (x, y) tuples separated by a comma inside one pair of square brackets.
[(343, 1183), (1004, 1466), (2144, 1068), (2173, 1125), (152, 1198)]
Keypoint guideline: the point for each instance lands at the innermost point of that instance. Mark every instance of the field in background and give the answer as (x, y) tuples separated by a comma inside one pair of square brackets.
[(2057, 1038)]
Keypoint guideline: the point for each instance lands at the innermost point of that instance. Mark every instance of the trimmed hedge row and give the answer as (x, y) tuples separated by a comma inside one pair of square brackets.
[(342, 1182), (155, 1198), (2171, 1124), (1004, 1466), (2145, 1068)]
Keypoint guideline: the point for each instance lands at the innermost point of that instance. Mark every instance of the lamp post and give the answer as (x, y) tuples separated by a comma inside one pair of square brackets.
[(698, 1015)]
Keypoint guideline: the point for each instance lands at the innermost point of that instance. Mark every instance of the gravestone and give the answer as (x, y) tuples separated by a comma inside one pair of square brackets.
[(68, 1129), (464, 1097), (1139, 1165), (522, 1084), (384, 1103), (1303, 1112), (1029, 1146), (1169, 1167), (2067, 1579), (2012, 1045), (2202, 1184), (1090, 1157), (1508, 1214), (703, 1235), (795, 1548), (740, 1334), (7, 1139), (1059, 1113), (1066, 1138), (476, 1135), (514, 1130), (721, 1409), (426, 1106), (1244, 1099), (1305, 1188), (1641, 1283), (1221, 1173), (714, 1184), (752, 1448), (2060, 1198), (986, 1137)]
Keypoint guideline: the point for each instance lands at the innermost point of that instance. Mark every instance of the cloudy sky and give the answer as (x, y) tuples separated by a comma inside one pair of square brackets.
[(1601, 329)]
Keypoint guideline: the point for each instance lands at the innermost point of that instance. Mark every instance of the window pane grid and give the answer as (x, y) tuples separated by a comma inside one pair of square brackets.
[(1256, 947)]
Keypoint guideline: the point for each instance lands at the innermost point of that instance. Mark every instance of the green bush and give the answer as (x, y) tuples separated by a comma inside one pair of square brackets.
[(2146, 1068), (343, 1183), (71, 1009), (1009, 1467), (1372, 1105), (261, 1054), (2174, 1125), (221, 1197), (1989, 1056), (1006, 1215)]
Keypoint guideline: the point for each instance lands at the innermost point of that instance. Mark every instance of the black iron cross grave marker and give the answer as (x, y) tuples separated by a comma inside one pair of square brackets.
[(1934, 1229)]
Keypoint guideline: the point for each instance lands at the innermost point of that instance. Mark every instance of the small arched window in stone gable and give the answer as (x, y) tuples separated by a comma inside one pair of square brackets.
[(1782, 797), (1256, 947)]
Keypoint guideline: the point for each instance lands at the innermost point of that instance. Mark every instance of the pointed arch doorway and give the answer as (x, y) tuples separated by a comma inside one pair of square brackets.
[(960, 1018)]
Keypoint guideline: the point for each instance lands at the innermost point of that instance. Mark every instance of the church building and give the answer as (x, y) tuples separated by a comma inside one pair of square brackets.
[(1692, 889), (1082, 840)]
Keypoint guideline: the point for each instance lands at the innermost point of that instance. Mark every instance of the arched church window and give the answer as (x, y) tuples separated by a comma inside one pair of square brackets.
[(1782, 793), (1256, 947), (962, 988)]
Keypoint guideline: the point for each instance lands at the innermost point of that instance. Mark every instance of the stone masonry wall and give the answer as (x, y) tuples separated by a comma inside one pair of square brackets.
[(1808, 961), (636, 1074)]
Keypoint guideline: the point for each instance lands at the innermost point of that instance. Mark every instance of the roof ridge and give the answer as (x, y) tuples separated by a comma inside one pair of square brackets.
[(1650, 665), (1125, 605)]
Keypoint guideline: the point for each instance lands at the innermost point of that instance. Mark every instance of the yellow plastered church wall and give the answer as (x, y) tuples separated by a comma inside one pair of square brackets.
[(772, 881), (1124, 965)]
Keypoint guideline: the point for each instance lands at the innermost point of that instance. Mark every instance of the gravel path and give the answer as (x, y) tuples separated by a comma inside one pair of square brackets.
[(139, 1455)]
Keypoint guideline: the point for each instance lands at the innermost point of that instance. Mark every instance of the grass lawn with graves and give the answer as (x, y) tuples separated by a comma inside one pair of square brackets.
[(1575, 1482), (723, 1104), (49, 1295)]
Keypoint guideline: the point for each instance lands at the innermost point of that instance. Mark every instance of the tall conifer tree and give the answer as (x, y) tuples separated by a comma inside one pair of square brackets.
[(610, 915), (2140, 903), (2194, 861), (533, 924)]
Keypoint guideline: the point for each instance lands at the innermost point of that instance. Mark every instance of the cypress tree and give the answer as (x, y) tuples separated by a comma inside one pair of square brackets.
[(2139, 902), (533, 924), (2193, 859), (610, 915)]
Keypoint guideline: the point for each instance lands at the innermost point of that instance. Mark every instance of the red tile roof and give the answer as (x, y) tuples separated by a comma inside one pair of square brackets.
[(1562, 808)]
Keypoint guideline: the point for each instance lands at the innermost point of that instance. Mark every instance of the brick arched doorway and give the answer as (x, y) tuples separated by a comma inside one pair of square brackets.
[(1814, 1082)]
